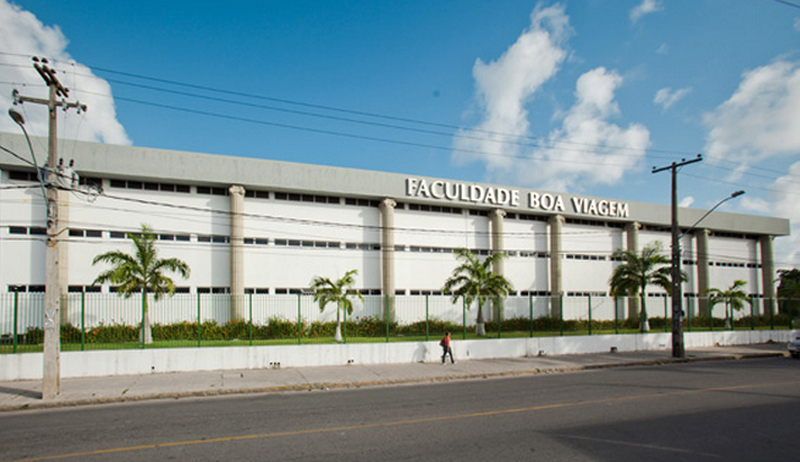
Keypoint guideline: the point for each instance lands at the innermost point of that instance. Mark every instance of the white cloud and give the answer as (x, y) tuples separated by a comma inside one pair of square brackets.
[(22, 35), (587, 149), (666, 97), (644, 8), (761, 119), (786, 195), (504, 87), (686, 201)]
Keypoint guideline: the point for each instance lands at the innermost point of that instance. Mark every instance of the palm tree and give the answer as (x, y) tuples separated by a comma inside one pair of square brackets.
[(141, 273), (328, 291), (637, 271), (788, 291), (474, 280), (733, 298)]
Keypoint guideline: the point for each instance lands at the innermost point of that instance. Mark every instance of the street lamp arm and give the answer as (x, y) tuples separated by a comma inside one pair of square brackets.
[(19, 120), (692, 228)]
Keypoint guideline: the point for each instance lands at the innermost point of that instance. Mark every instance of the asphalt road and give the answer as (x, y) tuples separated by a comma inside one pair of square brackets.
[(721, 410)]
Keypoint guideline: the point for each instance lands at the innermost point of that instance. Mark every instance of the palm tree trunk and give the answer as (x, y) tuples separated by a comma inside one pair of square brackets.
[(728, 317), (146, 335), (480, 327), (337, 337), (644, 323)]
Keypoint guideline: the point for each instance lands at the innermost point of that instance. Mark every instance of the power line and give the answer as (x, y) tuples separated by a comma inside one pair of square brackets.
[(784, 2), (535, 142)]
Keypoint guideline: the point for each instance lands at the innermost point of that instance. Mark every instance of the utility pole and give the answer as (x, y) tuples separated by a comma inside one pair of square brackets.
[(51, 371), (678, 350)]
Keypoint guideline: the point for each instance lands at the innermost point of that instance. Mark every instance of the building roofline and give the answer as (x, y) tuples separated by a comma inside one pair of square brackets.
[(160, 165)]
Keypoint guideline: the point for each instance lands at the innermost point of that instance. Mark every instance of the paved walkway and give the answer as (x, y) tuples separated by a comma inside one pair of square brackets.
[(26, 394)]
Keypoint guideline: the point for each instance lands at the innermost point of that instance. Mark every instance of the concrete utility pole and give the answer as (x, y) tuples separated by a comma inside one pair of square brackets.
[(51, 371), (678, 350)]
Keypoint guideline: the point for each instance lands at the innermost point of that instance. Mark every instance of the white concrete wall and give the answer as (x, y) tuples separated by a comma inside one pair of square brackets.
[(133, 362)]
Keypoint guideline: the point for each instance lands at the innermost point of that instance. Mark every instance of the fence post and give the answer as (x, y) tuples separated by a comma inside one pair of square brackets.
[(616, 315), (83, 320), (561, 311), (752, 313), (499, 320), (666, 324), (299, 322), (689, 309), (144, 304), (464, 317), (251, 318), (771, 315), (590, 314), (199, 333), (710, 317), (530, 308), (344, 330), (427, 311), (16, 319), (386, 315)]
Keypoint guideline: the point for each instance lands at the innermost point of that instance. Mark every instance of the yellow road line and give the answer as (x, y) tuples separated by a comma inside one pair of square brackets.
[(399, 422)]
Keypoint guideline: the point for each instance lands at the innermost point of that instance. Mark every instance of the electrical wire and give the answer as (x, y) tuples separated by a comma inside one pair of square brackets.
[(537, 142)]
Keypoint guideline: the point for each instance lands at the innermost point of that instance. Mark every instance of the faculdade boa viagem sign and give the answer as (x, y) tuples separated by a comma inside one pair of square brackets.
[(505, 197)]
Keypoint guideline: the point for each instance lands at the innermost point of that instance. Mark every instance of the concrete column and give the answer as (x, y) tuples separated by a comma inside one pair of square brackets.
[(496, 222), (387, 256), (768, 274), (556, 223), (702, 271), (237, 253), (632, 245)]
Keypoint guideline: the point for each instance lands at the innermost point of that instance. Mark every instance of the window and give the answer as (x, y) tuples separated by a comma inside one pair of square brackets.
[(17, 230), (361, 202), (117, 235), (256, 194), (91, 181), (22, 176)]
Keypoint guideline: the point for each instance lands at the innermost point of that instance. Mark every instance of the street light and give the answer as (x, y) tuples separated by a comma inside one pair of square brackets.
[(19, 120), (734, 195), (678, 350)]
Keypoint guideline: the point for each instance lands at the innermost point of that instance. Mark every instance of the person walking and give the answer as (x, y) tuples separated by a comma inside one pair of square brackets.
[(446, 348)]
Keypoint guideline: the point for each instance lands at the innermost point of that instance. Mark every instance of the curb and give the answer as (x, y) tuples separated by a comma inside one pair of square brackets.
[(326, 386)]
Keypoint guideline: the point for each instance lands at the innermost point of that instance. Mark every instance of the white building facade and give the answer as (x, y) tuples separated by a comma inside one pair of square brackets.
[(252, 226)]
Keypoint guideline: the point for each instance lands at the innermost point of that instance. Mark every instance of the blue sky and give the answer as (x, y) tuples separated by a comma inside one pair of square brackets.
[(580, 96)]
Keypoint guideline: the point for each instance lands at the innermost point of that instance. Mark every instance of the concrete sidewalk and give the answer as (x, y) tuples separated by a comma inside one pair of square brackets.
[(26, 394)]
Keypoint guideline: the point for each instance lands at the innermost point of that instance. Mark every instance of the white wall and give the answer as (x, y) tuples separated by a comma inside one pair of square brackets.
[(28, 366)]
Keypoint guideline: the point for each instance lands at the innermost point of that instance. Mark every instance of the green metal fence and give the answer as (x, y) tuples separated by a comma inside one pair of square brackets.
[(91, 321)]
